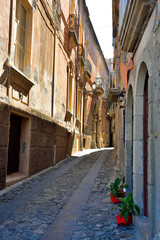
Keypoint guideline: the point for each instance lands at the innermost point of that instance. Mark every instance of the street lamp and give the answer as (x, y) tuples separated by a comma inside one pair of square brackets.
[(121, 96), (93, 86)]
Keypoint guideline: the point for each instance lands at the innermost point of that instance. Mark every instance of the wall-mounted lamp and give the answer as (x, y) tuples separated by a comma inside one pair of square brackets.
[(121, 96), (93, 91), (93, 86)]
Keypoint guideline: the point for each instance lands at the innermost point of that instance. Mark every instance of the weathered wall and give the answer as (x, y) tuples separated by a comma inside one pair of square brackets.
[(39, 95), (4, 135), (41, 144), (60, 142), (147, 59), (42, 54)]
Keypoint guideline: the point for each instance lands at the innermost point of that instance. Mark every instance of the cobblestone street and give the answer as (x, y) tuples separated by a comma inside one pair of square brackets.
[(70, 201)]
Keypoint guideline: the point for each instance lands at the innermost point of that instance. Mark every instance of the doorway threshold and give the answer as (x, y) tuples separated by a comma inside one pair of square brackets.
[(142, 227), (14, 178)]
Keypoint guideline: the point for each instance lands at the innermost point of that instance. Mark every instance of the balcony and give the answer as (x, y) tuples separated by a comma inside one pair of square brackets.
[(73, 31), (113, 89), (88, 68), (114, 94), (81, 54), (99, 85), (137, 15), (68, 115), (112, 111)]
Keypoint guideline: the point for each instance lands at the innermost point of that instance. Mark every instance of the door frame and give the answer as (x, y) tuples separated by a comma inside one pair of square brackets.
[(145, 146), (24, 152)]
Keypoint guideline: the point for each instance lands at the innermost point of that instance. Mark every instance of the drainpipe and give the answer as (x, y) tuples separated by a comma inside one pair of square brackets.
[(53, 75), (52, 98), (68, 71), (10, 29)]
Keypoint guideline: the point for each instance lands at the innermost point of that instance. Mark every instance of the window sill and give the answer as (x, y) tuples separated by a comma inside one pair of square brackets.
[(68, 116), (21, 85), (20, 78), (78, 122)]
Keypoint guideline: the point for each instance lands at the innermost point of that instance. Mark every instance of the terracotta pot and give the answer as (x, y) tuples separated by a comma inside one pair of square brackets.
[(121, 220)]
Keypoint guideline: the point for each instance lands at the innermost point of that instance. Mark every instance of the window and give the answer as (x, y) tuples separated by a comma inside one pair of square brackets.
[(85, 110), (20, 35), (70, 92), (79, 104)]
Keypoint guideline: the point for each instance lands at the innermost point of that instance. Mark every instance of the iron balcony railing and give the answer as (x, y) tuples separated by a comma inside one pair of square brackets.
[(88, 68), (81, 52), (73, 24)]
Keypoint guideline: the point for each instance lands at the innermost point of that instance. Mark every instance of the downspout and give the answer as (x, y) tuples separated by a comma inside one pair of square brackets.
[(8, 62), (10, 29), (83, 109), (77, 67), (52, 99), (53, 75), (67, 102)]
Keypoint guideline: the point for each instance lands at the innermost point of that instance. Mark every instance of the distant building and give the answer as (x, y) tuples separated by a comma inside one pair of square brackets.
[(49, 60)]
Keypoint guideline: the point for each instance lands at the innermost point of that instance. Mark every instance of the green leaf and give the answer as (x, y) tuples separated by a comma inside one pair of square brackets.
[(137, 209), (129, 197), (117, 181), (126, 216), (133, 212), (123, 179)]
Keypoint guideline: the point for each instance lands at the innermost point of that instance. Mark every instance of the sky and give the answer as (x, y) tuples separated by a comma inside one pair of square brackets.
[(101, 17)]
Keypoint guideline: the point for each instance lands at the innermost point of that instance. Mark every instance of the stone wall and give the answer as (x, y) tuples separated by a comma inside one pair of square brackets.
[(4, 135), (146, 59), (41, 145), (49, 143), (60, 142)]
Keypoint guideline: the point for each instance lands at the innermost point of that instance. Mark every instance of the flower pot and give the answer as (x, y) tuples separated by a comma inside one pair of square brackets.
[(115, 200), (121, 220)]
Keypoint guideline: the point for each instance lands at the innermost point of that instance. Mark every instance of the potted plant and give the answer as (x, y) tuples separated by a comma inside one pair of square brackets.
[(127, 209), (118, 189)]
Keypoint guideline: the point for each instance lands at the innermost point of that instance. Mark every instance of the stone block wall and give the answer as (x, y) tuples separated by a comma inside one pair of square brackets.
[(4, 135), (41, 144), (60, 142)]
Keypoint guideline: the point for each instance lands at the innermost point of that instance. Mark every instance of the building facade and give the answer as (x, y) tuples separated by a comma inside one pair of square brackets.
[(136, 38), (50, 59)]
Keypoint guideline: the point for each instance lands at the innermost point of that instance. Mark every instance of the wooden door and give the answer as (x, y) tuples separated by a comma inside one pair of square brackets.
[(145, 152), (14, 144)]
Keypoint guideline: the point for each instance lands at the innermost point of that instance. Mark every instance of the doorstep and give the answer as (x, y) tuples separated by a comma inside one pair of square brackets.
[(14, 178), (142, 228)]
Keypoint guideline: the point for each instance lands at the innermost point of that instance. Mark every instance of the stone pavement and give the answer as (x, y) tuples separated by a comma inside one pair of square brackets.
[(69, 201)]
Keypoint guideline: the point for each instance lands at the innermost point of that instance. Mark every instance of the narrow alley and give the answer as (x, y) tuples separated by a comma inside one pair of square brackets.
[(68, 201)]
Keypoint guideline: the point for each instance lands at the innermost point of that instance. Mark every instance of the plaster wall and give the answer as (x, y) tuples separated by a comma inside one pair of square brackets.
[(42, 53), (147, 58)]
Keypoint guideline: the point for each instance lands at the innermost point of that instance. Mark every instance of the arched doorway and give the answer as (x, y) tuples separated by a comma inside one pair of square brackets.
[(140, 140), (129, 140)]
